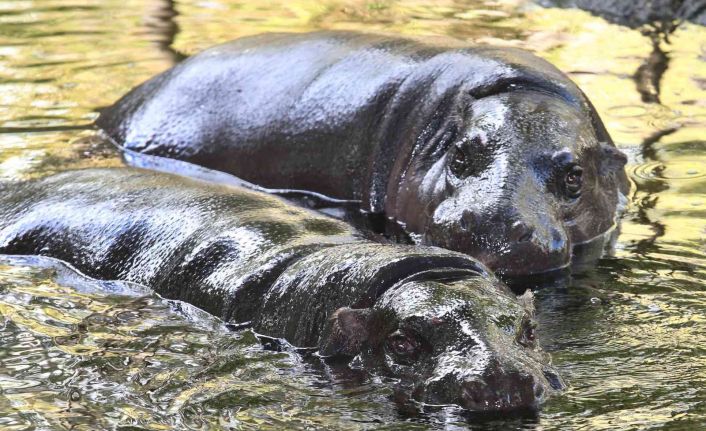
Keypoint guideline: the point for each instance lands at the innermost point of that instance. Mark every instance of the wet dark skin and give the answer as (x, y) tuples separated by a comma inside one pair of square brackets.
[(435, 320), (488, 151)]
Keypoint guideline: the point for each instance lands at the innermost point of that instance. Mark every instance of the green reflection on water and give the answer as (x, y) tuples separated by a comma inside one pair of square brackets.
[(86, 360), (627, 335)]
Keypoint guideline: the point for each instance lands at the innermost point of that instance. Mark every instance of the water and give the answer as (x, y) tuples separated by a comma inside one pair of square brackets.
[(628, 336)]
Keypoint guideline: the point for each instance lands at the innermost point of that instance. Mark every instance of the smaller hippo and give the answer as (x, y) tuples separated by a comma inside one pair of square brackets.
[(433, 319), (488, 151)]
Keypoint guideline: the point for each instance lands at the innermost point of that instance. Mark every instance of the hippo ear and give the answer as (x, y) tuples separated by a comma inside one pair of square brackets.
[(345, 332), (612, 159), (527, 301)]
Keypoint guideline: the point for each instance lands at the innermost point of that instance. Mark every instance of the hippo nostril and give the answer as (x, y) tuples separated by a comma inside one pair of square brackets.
[(539, 392), (520, 232), (472, 397), (558, 239), (468, 220), (554, 380)]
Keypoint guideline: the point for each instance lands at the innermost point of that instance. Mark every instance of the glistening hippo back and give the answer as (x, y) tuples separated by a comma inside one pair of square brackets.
[(488, 151), (430, 317)]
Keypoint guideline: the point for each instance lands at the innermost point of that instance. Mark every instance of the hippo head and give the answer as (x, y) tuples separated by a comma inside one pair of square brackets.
[(523, 176), (449, 340)]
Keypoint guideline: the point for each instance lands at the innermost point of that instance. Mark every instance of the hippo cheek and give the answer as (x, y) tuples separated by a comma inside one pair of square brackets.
[(603, 198), (598, 213)]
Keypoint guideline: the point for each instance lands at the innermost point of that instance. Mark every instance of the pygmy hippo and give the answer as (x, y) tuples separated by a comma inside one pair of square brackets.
[(434, 319), (489, 151)]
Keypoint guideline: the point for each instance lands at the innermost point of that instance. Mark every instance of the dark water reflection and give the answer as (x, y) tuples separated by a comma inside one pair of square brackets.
[(628, 335)]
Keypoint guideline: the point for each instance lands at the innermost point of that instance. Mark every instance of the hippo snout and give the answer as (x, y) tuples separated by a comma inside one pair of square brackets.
[(497, 389), (520, 232), (532, 248), (509, 392), (508, 244)]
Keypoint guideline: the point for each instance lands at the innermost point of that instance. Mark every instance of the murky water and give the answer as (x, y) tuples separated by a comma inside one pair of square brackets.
[(629, 335)]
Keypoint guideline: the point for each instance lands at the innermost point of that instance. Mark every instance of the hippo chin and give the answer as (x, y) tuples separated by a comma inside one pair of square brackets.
[(488, 151), (432, 319)]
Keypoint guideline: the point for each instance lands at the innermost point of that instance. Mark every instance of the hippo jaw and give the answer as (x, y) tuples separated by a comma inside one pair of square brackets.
[(523, 181), (449, 343)]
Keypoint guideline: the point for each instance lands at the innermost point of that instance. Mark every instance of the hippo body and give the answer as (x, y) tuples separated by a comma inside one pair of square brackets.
[(488, 151), (433, 318)]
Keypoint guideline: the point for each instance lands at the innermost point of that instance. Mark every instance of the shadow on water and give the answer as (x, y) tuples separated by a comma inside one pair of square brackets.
[(161, 23), (656, 20)]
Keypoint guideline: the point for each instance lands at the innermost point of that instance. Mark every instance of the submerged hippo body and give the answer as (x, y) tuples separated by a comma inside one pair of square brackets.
[(488, 151), (435, 319)]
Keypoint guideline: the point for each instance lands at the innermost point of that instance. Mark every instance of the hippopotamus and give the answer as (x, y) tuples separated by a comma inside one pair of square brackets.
[(488, 151), (434, 319)]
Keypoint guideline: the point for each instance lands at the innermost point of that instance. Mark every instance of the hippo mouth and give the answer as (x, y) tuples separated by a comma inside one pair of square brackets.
[(583, 256), (509, 252), (510, 382), (498, 390), (523, 260)]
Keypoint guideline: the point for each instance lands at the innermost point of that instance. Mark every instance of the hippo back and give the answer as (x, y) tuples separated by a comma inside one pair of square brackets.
[(337, 113), (181, 237), (227, 250)]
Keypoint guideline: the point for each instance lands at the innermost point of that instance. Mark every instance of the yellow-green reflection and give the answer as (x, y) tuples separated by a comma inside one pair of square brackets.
[(72, 360)]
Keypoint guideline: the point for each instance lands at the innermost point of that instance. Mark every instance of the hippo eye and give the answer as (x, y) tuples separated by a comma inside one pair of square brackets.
[(459, 163), (573, 181), (402, 346), (463, 166), (527, 336)]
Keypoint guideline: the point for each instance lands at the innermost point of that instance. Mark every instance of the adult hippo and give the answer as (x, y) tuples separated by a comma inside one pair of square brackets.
[(488, 151), (434, 319)]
